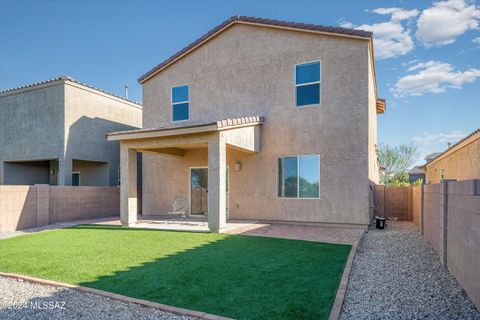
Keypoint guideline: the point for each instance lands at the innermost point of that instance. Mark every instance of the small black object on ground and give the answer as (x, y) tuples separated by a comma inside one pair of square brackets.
[(379, 222)]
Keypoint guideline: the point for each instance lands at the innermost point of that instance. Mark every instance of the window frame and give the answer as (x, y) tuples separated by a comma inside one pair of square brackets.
[(172, 104), (298, 176), (308, 83)]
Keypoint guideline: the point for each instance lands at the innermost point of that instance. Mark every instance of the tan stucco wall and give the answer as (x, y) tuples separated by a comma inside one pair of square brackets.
[(249, 71), (92, 173), (62, 121), (461, 163), (31, 125), (27, 173), (373, 170), (89, 116)]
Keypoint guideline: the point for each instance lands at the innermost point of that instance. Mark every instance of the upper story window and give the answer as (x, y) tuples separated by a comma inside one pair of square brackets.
[(299, 177), (307, 82), (180, 103)]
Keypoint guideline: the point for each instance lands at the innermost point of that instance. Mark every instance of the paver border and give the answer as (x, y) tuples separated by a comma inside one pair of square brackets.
[(342, 288), (118, 297)]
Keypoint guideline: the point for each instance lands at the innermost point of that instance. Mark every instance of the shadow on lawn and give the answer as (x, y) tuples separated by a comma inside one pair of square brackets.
[(241, 277)]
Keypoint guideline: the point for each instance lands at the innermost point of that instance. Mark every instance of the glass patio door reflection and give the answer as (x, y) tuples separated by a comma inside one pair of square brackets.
[(199, 190)]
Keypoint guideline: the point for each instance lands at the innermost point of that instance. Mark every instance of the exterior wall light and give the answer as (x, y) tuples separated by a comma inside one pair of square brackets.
[(238, 166)]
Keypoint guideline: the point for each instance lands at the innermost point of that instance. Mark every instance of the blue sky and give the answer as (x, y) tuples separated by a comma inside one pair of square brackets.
[(427, 52)]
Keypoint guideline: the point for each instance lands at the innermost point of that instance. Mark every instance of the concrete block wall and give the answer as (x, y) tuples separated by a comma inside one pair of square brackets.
[(463, 236), (450, 220), (18, 207), (433, 217), (75, 203), (24, 207)]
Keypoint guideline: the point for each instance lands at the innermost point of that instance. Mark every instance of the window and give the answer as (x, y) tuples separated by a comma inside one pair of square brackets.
[(180, 103), (75, 179), (299, 177), (307, 82)]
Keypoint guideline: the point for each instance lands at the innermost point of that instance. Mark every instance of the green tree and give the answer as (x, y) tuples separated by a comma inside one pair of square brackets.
[(396, 160), (400, 180)]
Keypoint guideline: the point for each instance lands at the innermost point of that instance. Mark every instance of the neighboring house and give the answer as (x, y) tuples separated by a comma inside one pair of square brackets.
[(431, 156), (459, 162), (53, 132), (268, 120), (415, 174)]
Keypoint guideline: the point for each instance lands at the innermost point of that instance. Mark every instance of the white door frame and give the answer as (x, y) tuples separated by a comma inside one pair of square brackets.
[(190, 187)]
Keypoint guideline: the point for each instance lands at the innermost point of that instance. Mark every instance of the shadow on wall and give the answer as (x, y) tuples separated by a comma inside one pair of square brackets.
[(18, 207), (26, 172), (87, 142)]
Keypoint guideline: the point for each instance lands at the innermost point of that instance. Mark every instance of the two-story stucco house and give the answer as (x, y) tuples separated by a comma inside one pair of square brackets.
[(53, 132), (266, 119)]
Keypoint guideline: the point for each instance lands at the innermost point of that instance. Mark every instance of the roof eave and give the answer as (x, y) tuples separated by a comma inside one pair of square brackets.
[(381, 106), (332, 31)]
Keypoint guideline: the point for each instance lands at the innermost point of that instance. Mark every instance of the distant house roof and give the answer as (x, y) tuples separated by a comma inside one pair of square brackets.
[(59, 79), (416, 171), (432, 156), (435, 156), (256, 21)]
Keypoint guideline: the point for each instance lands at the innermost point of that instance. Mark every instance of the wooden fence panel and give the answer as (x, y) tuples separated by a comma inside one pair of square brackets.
[(395, 202)]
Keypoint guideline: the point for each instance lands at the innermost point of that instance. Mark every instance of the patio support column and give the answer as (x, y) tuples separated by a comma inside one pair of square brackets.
[(128, 185), (217, 176)]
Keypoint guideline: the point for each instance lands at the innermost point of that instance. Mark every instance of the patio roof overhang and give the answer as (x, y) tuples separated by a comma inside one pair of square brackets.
[(240, 133), (219, 125)]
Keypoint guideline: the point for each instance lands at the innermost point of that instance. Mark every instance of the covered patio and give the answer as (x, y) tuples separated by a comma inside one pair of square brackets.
[(241, 135)]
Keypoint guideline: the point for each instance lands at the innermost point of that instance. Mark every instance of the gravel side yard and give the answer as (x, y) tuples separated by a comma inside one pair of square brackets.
[(397, 275), (62, 303)]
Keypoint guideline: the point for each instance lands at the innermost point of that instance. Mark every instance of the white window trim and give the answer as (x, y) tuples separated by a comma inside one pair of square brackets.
[(298, 177), (79, 178), (308, 83), (175, 103)]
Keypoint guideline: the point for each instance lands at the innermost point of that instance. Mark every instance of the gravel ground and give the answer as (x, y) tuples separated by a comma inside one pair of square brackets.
[(62, 303), (397, 275), (11, 234)]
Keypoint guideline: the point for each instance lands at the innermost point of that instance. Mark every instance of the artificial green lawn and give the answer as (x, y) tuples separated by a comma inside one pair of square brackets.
[(236, 276)]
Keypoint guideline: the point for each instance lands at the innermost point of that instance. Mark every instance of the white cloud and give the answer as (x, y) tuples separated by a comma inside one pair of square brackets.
[(346, 24), (391, 38), (429, 143), (442, 23), (437, 138), (410, 62), (397, 13), (433, 77), (476, 41)]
